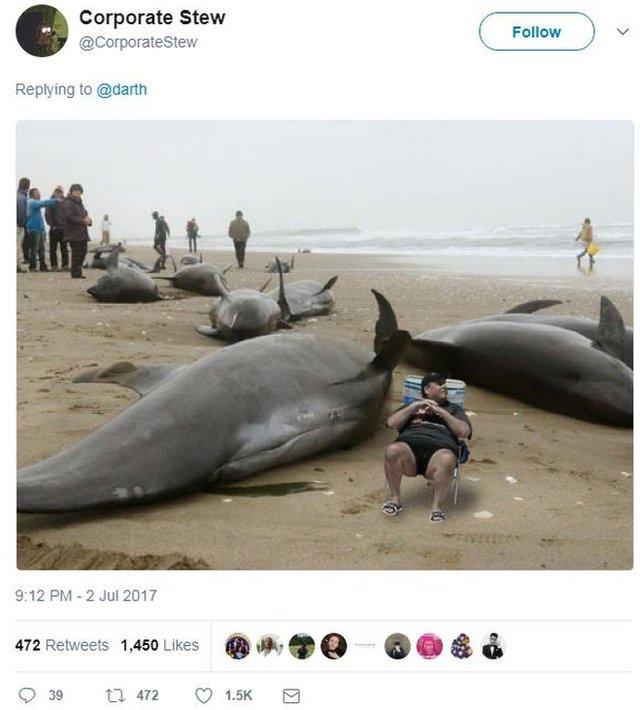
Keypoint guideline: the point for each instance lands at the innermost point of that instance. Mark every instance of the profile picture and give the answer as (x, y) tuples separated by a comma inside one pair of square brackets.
[(397, 646), (301, 646), (461, 646), (269, 645), (42, 30), (493, 646), (429, 646), (237, 646), (333, 646)]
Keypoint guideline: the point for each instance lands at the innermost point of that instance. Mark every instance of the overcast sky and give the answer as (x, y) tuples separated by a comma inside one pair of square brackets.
[(376, 175)]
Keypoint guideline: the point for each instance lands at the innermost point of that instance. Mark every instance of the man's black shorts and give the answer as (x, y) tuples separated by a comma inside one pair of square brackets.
[(423, 449)]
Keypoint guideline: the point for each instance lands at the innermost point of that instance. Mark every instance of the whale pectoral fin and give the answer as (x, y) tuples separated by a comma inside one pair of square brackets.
[(140, 378), (611, 330), (533, 306), (267, 282), (328, 286), (208, 330)]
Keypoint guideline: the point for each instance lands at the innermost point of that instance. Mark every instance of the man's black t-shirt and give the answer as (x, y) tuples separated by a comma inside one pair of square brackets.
[(433, 429)]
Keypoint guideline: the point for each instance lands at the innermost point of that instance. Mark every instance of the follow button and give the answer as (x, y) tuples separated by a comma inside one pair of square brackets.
[(537, 31)]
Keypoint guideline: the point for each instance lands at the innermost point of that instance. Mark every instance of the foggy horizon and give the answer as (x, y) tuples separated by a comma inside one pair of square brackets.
[(285, 175)]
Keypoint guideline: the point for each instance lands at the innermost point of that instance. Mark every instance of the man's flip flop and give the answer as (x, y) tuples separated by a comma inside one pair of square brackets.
[(391, 508), (437, 516)]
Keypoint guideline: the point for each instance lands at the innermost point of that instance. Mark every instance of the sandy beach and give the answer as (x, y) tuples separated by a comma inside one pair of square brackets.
[(570, 506)]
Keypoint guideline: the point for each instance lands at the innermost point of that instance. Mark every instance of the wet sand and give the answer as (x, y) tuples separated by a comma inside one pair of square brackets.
[(570, 507)]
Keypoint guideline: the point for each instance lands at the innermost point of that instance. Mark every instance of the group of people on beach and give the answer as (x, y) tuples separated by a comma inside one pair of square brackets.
[(69, 223)]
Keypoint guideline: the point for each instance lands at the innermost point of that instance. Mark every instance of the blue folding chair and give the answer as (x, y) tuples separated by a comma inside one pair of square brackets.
[(413, 391)]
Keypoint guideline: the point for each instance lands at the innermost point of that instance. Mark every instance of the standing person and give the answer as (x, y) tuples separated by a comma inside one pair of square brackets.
[(75, 226), (21, 214), (160, 239), (54, 218), (586, 237), (239, 231), (36, 231), (105, 228), (192, 235)]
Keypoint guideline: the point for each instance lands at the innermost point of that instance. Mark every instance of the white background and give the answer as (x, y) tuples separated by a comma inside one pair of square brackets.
[(335, 60)]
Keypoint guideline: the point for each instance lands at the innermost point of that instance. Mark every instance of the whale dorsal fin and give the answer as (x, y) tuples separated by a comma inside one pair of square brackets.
[(112, 260), (328, 286), (533, 306), (387, 323), (392, 350), (282, 298), (140, 378), (611, 331)]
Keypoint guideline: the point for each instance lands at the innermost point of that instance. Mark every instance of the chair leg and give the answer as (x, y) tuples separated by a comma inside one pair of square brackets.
[(456, 484)]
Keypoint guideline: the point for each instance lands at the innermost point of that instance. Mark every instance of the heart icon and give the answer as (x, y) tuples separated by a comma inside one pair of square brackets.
[(204, 694), (27, 694)]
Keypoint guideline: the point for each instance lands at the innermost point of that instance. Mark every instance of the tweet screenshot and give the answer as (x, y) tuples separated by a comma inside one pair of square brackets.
[(318, 363)]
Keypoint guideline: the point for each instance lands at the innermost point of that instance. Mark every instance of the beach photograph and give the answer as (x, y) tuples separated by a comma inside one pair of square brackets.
[(323, 345)]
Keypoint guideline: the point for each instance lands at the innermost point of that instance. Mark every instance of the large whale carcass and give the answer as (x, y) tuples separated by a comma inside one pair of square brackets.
[(254, 405), (547, 366), (590, 328)]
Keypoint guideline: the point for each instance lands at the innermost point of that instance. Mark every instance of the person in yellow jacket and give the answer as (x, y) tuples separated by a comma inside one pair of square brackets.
[(586, 237)]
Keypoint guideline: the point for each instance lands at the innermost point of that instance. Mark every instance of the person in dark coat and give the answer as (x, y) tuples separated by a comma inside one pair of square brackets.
[(75, 223), (22, 216), (240, 232), (160, 239), (192, 235), (54, 218)]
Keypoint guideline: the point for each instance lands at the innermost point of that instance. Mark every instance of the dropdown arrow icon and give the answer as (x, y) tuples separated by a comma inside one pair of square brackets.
[(624, 31)]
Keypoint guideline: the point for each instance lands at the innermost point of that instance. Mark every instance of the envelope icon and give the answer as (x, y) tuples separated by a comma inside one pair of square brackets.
[(291, 696)]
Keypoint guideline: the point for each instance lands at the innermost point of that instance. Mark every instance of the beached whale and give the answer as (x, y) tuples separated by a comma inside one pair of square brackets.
[(287, 266), (190, 259), (526, 313), (124, 284), (205, 279), (244, 313), (307, 298), (260, 403), (101, 253), (550, 367)]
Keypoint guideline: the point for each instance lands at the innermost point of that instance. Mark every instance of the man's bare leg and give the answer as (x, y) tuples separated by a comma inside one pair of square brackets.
[(399, 461), (440, 471)]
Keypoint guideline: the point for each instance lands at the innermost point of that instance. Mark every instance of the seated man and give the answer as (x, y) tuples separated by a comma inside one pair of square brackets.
[(427, 445)]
